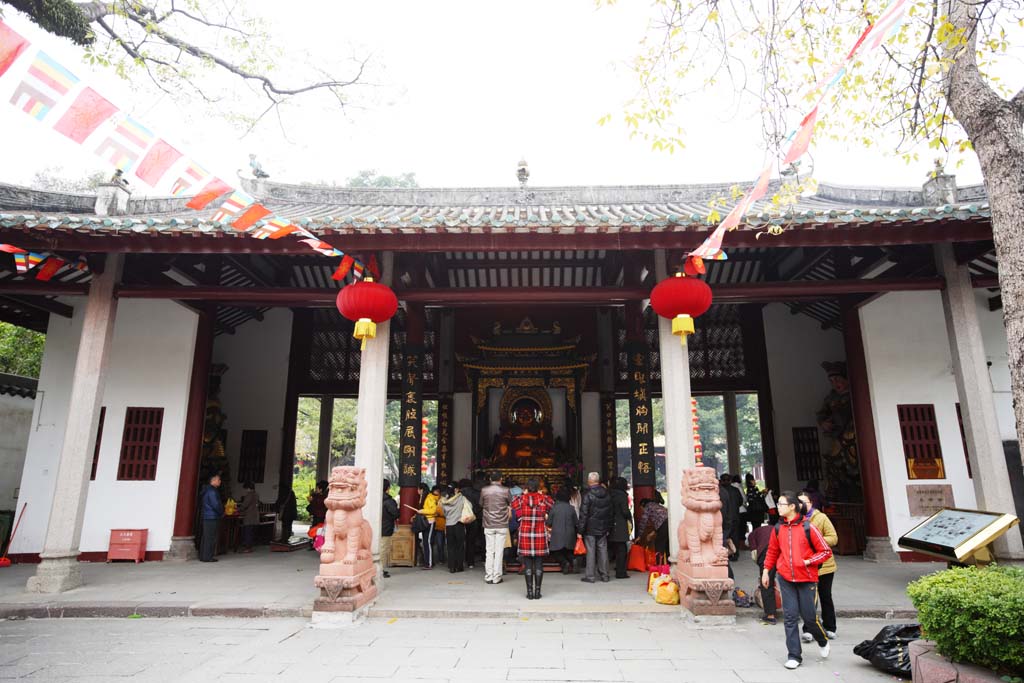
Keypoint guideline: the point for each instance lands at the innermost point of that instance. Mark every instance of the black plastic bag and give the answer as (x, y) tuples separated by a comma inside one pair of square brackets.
[(889, 650)]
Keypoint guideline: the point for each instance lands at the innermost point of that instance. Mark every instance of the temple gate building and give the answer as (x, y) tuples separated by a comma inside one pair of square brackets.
[(524, 315)]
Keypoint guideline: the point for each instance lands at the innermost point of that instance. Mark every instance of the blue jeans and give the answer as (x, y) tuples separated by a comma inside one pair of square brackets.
[(800, 601)]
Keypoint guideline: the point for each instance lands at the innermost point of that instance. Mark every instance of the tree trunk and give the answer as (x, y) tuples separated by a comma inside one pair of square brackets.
[(995, 127)]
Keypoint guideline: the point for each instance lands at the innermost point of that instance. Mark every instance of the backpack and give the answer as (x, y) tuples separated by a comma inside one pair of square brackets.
[(807, 532)]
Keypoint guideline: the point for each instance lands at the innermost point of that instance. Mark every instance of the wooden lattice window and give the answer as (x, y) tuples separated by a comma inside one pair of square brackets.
[(807, 453), (252, 456), (963, 438), (99, 438), (921, 447), (140, 445)]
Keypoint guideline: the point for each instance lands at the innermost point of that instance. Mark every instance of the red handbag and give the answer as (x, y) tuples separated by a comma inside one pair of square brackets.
[(636, 561)]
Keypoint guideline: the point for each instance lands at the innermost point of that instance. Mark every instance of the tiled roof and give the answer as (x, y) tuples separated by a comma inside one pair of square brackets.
[(15, 385), (492, 210)]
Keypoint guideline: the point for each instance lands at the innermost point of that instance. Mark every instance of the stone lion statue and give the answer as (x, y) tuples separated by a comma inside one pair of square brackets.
[(347, 536), (700, 533)]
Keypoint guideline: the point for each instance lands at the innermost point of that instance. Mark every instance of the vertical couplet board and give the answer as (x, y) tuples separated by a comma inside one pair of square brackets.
[(444, 437), (641, 418), (609, 447), (410, 445)]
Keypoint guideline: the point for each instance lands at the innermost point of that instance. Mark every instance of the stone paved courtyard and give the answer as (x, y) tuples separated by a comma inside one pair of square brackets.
[(516, 649)]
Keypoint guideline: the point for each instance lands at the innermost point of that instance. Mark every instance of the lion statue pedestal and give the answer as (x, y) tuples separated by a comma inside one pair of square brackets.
[(347, 578), (703, 568)]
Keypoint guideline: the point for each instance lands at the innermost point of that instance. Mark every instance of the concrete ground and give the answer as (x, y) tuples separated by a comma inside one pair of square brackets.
[(281, 585), (515, 649)]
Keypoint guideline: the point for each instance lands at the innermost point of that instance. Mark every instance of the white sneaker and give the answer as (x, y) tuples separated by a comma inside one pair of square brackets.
[(806, 637), (825, 650), (831, 635), (792, 664)]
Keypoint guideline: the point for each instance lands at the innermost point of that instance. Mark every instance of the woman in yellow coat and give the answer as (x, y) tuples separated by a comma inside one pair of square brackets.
[(826, 572)]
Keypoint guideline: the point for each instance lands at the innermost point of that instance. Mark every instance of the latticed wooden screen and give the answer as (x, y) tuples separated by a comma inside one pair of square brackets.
[(963, 438), (140, 445), (921, 447), (99, 438), (252, 459), (807, 452)]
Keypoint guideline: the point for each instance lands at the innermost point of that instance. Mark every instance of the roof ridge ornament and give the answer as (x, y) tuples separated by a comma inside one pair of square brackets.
[(523, 174)]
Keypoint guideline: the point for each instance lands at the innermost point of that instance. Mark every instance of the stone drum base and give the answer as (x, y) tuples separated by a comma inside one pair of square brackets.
[(706, 597), (346, 593)]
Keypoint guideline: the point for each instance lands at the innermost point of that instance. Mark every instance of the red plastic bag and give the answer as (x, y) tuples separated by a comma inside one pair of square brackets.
[(636, 561), (313, 529), (581, 548), (660, 568)]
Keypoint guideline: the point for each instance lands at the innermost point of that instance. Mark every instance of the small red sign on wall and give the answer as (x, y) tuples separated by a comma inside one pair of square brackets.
[(127, 544)]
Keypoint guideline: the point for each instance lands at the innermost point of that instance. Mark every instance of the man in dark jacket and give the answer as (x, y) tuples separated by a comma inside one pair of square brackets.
[(622, 519), (387, 528), (595, 523), (731, 499), (212, 509)]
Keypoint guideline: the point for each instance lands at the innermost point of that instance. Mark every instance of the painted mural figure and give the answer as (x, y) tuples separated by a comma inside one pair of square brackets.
[(835, 418)]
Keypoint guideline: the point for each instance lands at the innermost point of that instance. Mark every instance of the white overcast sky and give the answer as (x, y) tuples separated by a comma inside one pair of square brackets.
[(461, 90)]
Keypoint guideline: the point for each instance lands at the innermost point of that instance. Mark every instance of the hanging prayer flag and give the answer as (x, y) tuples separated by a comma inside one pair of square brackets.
[(82, 263), (158, 160), (49, 269), (802, 139), (760, 188), (888, 22), (85, 115), (302, 232), (321, 247), (237, 201), (215, 188), (45, 83), (125, 144), (28, 261), (358, 269), (280, 227), (11, 47), (193, 173), (343, 268), (373, 267), (11, 249), (250, 216)]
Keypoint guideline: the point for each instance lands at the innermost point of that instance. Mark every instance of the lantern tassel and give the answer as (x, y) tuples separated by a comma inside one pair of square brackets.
[(365, 329), (682, 327)]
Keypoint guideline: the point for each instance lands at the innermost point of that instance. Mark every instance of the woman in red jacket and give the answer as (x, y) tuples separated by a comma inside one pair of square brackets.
[(531, 510), (796, 550)]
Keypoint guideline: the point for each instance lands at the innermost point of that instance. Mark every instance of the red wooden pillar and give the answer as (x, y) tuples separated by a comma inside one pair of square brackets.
[(415, 332), (876, 523), (182, 538)]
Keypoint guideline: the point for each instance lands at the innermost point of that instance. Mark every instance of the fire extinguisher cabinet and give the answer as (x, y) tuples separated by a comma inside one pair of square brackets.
[(127, 544)]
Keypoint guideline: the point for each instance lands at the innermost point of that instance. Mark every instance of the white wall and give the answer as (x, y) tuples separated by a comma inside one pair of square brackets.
[(150, 363), (253, 390), (15, 425), (908, 360), (797, 346)]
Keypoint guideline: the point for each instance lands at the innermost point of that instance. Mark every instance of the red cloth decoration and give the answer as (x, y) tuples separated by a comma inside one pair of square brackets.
[(86, 114), (49, 268), (693, 266), (215, 188), (369, 300), (11, 249), (250, 216), (802, 139), (157, 161), (373, 266), (681, 296), (343, 268), (11, 47)]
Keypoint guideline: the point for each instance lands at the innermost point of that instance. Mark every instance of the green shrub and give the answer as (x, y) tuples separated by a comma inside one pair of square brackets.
[(974, 615)]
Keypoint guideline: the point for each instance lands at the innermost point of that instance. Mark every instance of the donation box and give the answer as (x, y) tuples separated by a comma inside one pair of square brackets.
[(127, 544)]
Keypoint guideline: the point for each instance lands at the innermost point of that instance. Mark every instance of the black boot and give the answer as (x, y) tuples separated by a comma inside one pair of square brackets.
[(529, 583), (538, 580)]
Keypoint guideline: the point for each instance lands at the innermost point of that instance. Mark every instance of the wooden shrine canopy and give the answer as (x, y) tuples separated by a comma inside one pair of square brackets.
[(493, 246)]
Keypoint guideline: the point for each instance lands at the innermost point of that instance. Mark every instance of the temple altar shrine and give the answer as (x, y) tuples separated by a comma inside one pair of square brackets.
[(524, 313)]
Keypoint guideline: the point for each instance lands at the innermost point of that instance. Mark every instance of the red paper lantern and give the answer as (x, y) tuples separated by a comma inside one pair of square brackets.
[(367, 303), (681, 299)]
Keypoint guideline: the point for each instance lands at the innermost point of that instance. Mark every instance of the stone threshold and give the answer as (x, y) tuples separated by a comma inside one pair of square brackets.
[(124, 610)]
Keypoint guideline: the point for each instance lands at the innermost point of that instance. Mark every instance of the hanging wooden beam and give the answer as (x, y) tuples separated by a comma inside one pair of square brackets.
[(41, 304)]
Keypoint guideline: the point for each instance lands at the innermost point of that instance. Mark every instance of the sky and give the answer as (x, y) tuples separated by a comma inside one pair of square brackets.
[(456, 92)]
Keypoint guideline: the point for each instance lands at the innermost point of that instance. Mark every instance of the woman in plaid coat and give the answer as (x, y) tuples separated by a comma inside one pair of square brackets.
[(531, 510)]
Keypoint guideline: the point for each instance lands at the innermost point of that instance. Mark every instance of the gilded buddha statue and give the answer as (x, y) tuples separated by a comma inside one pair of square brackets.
[(524, 441)]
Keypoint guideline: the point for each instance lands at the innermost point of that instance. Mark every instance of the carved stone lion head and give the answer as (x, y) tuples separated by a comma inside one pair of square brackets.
[(347, 488), (700, 489)]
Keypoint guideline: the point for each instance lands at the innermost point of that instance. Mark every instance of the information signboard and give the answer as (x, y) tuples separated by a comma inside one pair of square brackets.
[(955, 534)]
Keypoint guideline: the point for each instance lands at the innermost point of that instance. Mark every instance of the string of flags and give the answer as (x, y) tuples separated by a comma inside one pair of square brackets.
[(89, 119), (874, 36), (48, 264)]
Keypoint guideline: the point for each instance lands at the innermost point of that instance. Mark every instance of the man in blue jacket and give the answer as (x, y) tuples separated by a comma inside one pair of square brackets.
[(212, 509)]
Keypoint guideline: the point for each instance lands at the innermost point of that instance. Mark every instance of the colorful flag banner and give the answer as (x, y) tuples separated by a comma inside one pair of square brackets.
[(343, 268), (322, 247), (194, 173), (358, 269), (158, 160), (250, 216), (27, 261), (44, 85), (50, 268), (85, 115), (802, 139), (281, 228), (11, 47), (237, 201), (215, 188), (125, 144), (11, 249)]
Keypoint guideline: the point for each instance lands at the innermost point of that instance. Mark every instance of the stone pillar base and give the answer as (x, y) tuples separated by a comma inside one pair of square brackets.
[(55, 574), (879, 549), (183, 548)]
